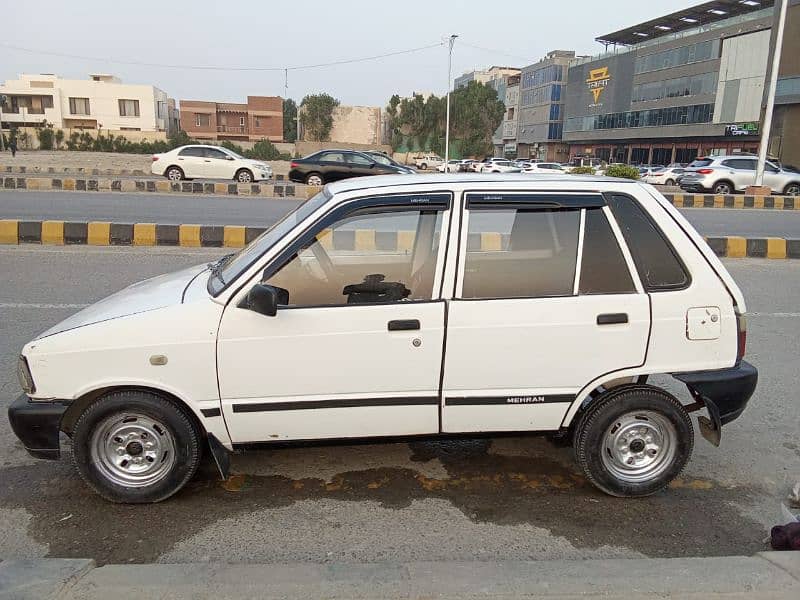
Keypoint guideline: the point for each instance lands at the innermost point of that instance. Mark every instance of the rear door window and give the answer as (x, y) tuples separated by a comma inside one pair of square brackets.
[(603, 266), (657, 262)]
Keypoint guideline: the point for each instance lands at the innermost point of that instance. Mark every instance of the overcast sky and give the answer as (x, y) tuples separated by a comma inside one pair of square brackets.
[(233, 33)]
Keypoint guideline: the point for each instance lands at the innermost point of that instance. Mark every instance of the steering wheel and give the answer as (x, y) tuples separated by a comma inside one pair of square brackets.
[(325, 262)]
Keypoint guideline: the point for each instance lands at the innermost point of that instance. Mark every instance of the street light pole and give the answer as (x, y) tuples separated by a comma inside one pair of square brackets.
[(2, 143), (447, 120), (773, 84)]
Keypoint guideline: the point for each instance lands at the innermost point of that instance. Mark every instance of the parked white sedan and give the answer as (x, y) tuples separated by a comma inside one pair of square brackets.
[(499, 165), (668, 176), (208, 162), (543, 167)]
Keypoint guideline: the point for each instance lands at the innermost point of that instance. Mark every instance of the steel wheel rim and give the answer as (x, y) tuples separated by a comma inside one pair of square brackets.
[(314, 180), (174, 174), (132, 449), (639, 446), (793, 190), (722, 189)]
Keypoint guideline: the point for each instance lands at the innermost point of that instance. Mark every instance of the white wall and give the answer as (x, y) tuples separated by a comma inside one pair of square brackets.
[(742, 72)]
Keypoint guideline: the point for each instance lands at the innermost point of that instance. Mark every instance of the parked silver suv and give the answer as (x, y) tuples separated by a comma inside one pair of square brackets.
[(730, 174)]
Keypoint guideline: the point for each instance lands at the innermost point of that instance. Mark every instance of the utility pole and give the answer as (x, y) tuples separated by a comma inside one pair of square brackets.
[(447, 120), (2, 144), (773, 83)]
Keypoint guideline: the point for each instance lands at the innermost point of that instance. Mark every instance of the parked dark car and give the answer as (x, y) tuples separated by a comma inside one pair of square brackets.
[(332, 165)]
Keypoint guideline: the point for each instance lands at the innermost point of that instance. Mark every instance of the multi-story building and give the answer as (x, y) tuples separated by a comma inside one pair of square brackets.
[(689, 83), (260, 118), (505, 138), (101, 102), (541, 108), (785, 134), (488, 76)]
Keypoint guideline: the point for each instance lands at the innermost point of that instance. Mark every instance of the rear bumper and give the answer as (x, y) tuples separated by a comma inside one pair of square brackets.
[(37, 425), (727, 390)]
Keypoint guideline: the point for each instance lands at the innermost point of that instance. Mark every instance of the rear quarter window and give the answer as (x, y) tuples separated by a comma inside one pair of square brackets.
[(657, 262)]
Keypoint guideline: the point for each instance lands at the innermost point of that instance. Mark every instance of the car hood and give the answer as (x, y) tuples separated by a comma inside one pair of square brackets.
[(150, 294)]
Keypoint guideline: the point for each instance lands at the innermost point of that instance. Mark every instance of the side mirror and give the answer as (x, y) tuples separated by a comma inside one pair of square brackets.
[(229, 158), (264, 299)]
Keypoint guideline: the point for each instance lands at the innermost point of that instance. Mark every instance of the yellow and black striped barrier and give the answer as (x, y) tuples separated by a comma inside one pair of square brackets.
[(103, 233), (734, 201)]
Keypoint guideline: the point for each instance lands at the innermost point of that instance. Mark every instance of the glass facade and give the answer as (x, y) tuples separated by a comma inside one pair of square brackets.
[(542, 95), (676, 57), (541, 76), (657, 117), (705, 83), (790, 86)]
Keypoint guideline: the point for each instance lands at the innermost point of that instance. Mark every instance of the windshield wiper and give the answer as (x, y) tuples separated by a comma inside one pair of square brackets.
[(216, 267)]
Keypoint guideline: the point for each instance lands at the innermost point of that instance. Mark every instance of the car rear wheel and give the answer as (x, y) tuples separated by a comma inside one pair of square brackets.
[(314, 179), (723, 188), (669, 182), (175, 174), (135, 447), (793, 189), (423, 166), (244, 176), (633, 441)]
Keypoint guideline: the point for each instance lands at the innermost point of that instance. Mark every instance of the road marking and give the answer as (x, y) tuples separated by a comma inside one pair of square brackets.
[(780, 314), (34, 305)]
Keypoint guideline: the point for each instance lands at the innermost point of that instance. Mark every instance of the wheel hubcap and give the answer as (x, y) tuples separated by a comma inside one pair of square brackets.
[(244, 177), (639, 446), (132, 450), (314, 180), (174, 175)]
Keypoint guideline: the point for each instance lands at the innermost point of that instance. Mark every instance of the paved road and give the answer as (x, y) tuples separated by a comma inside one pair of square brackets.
[(479, 499), (227, 210)]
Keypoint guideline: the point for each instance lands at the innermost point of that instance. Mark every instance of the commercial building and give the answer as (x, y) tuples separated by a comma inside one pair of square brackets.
[(488, 76), (541, 108), (261, 118), (682, 85), (785, 135), (505, 138), (101, 102)]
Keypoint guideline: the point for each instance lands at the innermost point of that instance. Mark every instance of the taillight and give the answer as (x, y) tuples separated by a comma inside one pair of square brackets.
[(294, 165), (741, 326), (155, 158), (705, 171)]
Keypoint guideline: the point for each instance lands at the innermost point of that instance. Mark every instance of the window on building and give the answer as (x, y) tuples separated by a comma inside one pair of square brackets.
[(128, 108), (241, 121), (258, 121), (520, 253), (675, 57), (511, 114), (202, 120), (659, 266), (162, 109), (79, 106)]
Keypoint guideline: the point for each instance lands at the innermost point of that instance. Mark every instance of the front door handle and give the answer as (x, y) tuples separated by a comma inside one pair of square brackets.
[(612, 319), (404, 325)]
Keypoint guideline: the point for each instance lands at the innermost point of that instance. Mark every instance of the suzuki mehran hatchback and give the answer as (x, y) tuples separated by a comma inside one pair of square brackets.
[(391, 307)]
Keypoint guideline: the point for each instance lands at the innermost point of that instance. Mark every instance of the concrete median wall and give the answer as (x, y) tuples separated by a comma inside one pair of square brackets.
[(103, 233)]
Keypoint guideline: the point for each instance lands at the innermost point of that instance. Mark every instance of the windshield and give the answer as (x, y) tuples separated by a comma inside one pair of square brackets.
[(232, 267)]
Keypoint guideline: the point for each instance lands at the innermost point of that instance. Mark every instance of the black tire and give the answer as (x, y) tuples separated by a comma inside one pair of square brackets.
[(185, 437), (423, 166), (793, 189), (244, 176), (669, 182), (723, 188), (311, 181), (174, 173), (608, 416)]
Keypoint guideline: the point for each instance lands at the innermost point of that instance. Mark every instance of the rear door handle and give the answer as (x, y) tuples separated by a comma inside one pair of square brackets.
[(404, 325), (612, 319)]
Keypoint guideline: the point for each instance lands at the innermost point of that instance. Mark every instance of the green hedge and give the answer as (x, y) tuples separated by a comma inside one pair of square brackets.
[(623, 171), (582, 171)]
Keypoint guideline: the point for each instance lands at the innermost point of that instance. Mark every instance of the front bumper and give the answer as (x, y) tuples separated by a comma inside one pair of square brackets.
[(38, 425), (724, 392)]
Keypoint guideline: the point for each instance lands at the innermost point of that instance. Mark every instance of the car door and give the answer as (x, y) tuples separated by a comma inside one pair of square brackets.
[(218, 164), (774, 178), (356, 350), (192, 161), (546, 300), (333, 166), (360, 165), (742, 171)]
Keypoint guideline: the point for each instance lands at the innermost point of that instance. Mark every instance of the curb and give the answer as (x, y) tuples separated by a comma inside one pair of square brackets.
[(774, 575), (26, 170), (161, 186), (104, 233), (730, 201)]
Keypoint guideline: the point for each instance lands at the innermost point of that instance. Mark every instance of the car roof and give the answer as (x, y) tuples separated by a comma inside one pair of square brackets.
[(492, 180)]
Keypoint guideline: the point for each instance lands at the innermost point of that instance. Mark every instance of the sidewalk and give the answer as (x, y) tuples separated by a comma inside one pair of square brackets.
[(772, 575)]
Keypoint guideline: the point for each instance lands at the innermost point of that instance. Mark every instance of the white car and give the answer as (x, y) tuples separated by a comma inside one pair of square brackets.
[(454, 166), (208, 162), (428, 161), (558, 298), (543, 167), (499, 165), (665, 176)]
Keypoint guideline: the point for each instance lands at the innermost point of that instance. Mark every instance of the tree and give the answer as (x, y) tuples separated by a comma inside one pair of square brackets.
[(59, 138), (476, 113), (289, 120), (316, 115)]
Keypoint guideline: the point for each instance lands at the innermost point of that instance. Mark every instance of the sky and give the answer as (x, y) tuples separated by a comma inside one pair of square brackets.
[(274, 35)]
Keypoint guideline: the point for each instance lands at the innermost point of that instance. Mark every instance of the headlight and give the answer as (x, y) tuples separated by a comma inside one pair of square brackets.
[(24, 376)]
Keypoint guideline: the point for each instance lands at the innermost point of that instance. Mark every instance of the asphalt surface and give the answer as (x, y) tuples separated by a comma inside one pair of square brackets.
[(517, 498), (260, 212)]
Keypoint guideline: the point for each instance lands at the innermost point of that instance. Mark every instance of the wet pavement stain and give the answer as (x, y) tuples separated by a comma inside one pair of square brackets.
[(695, 517)]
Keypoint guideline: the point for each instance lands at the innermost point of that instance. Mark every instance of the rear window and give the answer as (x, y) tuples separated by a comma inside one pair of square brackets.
[(700, 162), (656, 260)]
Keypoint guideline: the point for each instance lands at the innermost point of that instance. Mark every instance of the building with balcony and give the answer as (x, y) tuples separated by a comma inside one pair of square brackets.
[(101, 102), (686, 84), (505, 138), (260, 118)]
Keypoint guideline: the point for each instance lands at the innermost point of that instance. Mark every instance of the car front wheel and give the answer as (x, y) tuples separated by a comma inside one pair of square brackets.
[(669, 182), (633, 441), (135, 447), (244, 176)]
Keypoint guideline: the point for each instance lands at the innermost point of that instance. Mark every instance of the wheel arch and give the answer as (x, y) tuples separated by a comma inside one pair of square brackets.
[(723, 180), (241, 169), (166, 170)]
